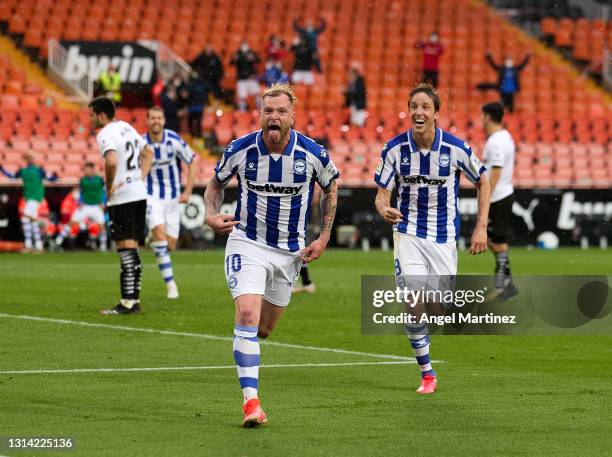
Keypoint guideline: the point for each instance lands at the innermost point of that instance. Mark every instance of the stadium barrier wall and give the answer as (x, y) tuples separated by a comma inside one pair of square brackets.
[(567, 213)]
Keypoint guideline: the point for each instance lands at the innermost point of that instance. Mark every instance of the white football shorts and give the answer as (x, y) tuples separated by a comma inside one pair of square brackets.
[(164, 212), (302, 77), (94, 213), (253, 268), (420, 262), (31, 209), (246, 88)]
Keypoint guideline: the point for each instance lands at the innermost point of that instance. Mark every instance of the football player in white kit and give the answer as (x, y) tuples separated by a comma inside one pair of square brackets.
[(499, 158), (277, 169), (424, 165), (164, 191), (127, 159)]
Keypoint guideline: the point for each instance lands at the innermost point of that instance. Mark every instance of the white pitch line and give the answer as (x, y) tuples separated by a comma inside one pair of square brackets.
[(201, 335), (214, 367)]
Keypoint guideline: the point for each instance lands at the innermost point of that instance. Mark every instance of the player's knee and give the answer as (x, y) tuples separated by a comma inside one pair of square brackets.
[(247, 317)]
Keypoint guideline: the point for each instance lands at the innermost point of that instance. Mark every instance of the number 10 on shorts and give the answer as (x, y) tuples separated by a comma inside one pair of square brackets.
[(233, 264)]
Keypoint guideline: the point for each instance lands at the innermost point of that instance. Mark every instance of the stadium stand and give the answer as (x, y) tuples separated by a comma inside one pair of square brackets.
[(560, 119), (584, 39)]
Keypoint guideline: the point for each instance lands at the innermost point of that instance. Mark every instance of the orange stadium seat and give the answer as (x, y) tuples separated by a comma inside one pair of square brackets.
[(554, 107)]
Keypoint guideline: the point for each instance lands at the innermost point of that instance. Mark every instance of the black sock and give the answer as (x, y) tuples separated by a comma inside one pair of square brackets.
[(502, 269), (138, 269), (305, 274), (130, 270)]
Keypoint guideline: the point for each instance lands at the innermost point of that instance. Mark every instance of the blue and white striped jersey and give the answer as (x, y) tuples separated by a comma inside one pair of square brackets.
[(427, 183), (275, 190), (164, 179)]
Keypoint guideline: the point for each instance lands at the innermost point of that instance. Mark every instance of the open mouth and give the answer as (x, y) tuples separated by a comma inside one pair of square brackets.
[(419, 122), (273, 128)]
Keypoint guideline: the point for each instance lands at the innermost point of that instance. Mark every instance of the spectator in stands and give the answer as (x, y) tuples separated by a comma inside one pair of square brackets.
[(157, 90), (169, 101), (246, 60), (274, 74), (32, 176), (198, 97), (110, 83), (276, 50), (180, 82), (310, 36), (303, 62), (432, 51), (355, 96), (508, 78), (210, 67)]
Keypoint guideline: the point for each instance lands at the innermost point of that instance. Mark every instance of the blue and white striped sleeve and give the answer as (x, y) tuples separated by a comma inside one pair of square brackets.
[(469, 163), (324, 168), (185, 152), (227, 166), (385, 172)]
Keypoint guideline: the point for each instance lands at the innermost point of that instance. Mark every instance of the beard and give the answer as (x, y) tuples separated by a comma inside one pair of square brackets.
[(156, 129)]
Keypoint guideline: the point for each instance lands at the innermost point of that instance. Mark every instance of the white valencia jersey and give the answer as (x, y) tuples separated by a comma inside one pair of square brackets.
[(121, 137), (499, 152)]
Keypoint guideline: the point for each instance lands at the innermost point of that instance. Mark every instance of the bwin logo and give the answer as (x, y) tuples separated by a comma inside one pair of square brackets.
[(133, 70)]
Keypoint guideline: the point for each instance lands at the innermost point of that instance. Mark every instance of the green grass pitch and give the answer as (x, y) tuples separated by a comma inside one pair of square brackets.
[(498, 395)]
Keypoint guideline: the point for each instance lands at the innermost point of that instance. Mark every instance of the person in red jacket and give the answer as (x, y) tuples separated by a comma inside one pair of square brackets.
[(432, 50)]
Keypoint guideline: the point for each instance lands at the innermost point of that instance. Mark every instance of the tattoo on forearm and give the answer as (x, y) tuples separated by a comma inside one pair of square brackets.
[(329, 202), (213, 198)]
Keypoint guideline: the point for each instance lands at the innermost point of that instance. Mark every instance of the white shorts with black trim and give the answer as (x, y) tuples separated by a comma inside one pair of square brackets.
[(253, 268)]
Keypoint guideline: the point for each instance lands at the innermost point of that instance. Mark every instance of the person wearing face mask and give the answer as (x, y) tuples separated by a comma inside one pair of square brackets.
[(245, 60), (310, 35), (209, 66), (274, 74), (302, 63), (508, 78), (356, 97), (432, 51)]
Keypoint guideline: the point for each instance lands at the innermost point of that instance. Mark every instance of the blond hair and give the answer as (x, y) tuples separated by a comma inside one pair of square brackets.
[(280, 89)]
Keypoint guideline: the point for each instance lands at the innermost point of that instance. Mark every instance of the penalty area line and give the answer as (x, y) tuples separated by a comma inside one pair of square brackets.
[(126, 328), (213, 367)]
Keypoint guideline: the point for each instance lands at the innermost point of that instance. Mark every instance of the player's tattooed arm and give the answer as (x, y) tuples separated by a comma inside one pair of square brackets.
[(223, 224), (384, 208), (329, 203), (146, 158)]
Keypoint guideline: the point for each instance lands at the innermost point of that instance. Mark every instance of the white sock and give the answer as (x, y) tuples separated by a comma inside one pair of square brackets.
[(103, 240), (36, 234), (162, 257), (27, 232)]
